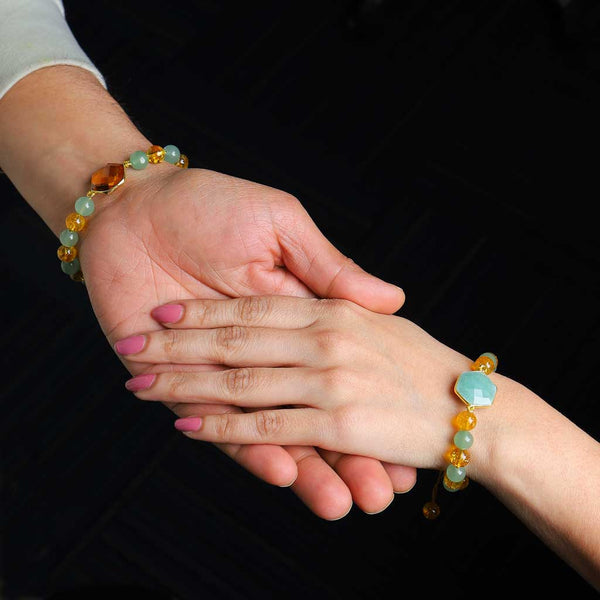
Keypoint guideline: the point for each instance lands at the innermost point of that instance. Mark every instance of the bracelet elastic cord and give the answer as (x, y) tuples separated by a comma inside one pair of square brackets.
[(475, 389), (104, 181)]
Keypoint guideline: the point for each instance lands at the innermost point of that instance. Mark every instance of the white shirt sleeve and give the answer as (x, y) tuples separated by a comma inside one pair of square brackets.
[(35, 34)]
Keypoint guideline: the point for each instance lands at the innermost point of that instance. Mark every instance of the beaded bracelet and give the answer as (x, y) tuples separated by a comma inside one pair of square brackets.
[(104, 181), (475, 389)]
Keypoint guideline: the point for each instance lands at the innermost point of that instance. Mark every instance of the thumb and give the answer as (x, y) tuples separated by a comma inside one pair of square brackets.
[(309, 255)]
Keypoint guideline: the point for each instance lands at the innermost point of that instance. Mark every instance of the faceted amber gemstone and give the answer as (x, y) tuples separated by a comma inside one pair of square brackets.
[(75, 221), (183, 162), (77, 277), (155, 154), (465, 420), (431, 510), (458, 457), (485, 364), (108, 178), (67, 253)]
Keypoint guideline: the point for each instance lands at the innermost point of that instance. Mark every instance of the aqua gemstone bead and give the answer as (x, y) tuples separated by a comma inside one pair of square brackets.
[(138, 160), (463, 439), (456, 474), (475, 388), (68, 237), (70, 268), (84, 206), (172, 154)]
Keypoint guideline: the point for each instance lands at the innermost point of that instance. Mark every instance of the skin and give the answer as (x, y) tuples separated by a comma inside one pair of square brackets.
[(169, 233), (331, 374)]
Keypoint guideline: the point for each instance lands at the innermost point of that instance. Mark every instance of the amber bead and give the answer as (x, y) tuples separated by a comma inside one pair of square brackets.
[(431, 510), (458, 457), (77, 277), (183, 162), (108, 178), (67, 253), (485, 363), (455, 486), (155, 154), (465, 420), (75, 221)]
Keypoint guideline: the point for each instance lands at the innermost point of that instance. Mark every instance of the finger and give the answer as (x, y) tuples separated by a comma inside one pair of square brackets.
[(308, 254), (318, 485), (270, 463), (403, 478), (244, 387), (366, 478), (232, 346), (285, 312), (290, 426)]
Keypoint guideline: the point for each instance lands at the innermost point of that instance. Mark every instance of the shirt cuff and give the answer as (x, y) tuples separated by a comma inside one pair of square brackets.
[(35, 34)]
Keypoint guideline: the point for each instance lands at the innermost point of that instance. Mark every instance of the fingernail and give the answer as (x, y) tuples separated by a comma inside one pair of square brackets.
[(188, 424), (168, 313), (130, 345), (140, 382)]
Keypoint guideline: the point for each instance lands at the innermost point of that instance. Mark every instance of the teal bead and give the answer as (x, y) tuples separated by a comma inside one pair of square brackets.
[(456, 474), (172, 154), (139, 160), (475, 388), (68, 237), (70, 268), (84, 206), (463, 439)]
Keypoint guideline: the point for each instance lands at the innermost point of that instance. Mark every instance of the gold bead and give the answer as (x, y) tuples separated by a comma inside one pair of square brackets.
[(75, 221), (67, 253), (455, 486), (183, 162), (485, 364), (458, 457), (431, 510), (465, 420), (156, 154)]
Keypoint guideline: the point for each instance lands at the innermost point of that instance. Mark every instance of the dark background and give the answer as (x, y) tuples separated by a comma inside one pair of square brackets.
[(450, 147)]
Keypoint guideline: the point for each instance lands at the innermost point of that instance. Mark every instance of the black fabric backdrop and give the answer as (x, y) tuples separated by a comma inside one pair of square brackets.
[(450, 147)]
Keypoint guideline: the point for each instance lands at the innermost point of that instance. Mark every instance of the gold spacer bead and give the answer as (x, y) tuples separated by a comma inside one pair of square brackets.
[(127, 164)]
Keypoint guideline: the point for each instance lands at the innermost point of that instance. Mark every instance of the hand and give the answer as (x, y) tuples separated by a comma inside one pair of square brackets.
[(172, 234), (351, 380)]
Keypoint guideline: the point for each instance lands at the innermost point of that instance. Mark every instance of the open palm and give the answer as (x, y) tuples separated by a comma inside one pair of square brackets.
[(172, 234)]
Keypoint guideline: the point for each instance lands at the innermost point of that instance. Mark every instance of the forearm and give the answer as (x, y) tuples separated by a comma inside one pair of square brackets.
[(544, 469), (58, 125)]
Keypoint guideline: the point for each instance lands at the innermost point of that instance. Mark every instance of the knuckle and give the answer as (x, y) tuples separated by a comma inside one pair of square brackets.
[(251, 309), (340, 308), (238, 381), (170, 341), (268, 423), (331, 344), (230, 339), (346, 421), (198, 312), (177, 387), (335, 383), (225, 426)]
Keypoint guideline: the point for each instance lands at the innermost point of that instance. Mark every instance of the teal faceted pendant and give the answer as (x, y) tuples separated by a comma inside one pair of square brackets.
[(475, 389)]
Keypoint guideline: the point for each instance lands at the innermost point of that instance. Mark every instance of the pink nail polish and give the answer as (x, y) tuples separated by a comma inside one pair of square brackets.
[(188, 424), (140, 382), (168, 313), (130, 345)]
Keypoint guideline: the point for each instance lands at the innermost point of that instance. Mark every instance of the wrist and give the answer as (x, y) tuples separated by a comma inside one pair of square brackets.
[(58, 126)]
